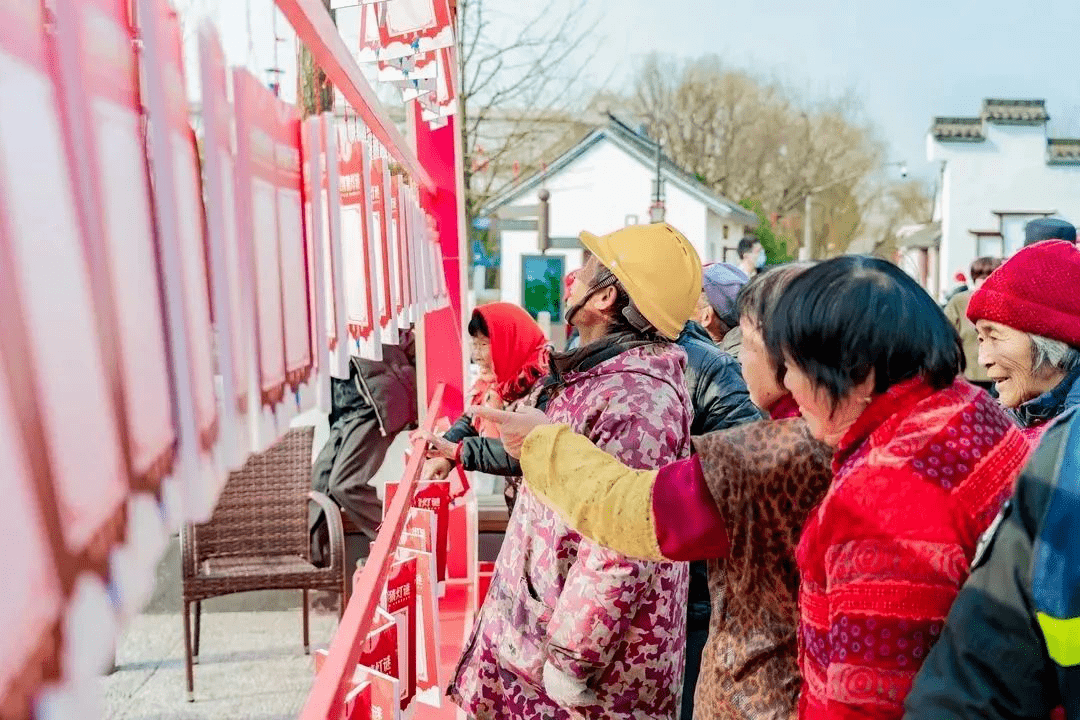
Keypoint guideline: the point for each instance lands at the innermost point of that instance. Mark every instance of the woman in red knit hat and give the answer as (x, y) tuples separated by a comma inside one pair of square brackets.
[(1027, 314)]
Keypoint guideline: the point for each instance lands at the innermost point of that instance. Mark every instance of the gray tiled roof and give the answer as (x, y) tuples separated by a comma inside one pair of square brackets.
[(1063, 151), (1015, 112), (958, 129)]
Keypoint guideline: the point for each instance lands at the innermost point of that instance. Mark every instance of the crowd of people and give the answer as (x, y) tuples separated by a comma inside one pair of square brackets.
[(804, 491)]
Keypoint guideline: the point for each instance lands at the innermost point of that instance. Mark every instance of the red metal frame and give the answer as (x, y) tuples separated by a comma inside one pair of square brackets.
[(327, 696), (317, 31)]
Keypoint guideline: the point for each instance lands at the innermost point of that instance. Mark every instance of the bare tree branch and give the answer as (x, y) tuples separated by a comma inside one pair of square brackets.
[(518, 88)]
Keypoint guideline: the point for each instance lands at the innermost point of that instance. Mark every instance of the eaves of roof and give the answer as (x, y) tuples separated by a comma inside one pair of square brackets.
[(642, 150)]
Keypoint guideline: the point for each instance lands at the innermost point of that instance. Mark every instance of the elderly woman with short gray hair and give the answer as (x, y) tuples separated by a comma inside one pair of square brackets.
[(1027, 314)]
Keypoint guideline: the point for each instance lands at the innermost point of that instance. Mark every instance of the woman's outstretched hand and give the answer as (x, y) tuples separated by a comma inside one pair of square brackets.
[(437, 446), (514, 427)]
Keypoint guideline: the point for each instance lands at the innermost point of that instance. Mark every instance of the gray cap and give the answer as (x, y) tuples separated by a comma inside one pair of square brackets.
[(723, 282), (1048, 228)]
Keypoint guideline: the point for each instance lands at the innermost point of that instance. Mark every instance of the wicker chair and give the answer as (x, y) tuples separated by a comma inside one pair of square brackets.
[(257, 538)]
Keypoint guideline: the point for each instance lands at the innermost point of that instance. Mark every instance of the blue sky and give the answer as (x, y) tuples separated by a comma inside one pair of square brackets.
[(907, 61)]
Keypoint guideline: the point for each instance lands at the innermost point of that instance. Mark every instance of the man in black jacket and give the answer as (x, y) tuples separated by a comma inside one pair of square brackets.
[(368, 411), (1010, 647)]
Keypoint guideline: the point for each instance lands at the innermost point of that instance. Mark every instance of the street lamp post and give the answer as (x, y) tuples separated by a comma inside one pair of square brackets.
[(806, 252)]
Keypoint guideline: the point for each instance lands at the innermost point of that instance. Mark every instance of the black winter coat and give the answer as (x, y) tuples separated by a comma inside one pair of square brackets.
[(717, 390), (992, 661)]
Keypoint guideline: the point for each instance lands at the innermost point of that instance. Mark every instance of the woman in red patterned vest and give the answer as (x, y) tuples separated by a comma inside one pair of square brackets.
[(923, 462)]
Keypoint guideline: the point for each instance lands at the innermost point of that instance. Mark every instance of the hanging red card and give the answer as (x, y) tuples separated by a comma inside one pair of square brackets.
[(427, 605), (384, 259), (361, 298), (256, 201), (410, 26), (45, 266), (433, 496), (105, 105), (380, 652), (32, 601), (178, 210), (358, 702), (291, 245), (337, 324), (315, 246), (234, 325), (383, 696), (401, 247)]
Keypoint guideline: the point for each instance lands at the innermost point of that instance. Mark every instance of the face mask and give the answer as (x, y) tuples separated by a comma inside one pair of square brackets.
[(761, 260), (568, 316)]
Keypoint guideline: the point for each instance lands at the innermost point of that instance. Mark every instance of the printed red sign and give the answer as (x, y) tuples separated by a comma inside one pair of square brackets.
[(433, 496)]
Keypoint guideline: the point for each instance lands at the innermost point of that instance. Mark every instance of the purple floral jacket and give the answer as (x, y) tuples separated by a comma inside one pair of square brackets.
[(616, 626)]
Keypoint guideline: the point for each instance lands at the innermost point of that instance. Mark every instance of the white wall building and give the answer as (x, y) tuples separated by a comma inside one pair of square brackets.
[(998, 171), (605, 182)]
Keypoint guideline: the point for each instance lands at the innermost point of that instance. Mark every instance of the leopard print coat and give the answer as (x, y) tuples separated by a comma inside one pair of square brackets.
[(765, 478)]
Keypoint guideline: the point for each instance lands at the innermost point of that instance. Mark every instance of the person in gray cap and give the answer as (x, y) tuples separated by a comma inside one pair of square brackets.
[(716, 310), (1048, 228)]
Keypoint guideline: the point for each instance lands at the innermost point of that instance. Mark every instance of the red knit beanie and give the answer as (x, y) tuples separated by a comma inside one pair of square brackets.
[(1037, 291)]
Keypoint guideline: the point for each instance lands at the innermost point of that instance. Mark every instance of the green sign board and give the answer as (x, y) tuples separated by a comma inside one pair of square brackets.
[(542, 284)]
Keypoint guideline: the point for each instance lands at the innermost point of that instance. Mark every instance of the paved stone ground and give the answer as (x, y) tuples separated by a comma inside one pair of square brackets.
[(252, 666)]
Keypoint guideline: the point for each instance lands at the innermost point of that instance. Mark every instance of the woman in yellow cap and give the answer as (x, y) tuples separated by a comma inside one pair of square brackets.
[(569, 628)]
